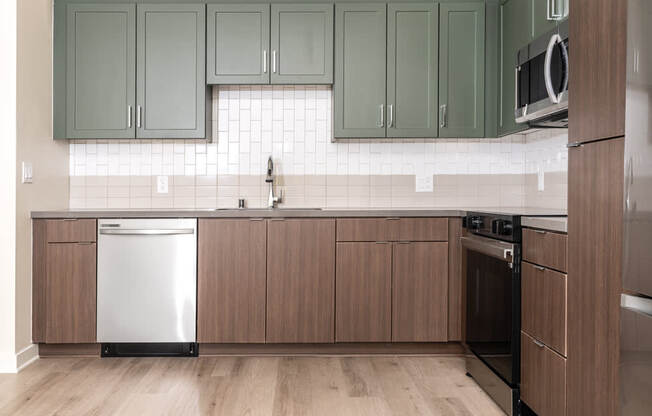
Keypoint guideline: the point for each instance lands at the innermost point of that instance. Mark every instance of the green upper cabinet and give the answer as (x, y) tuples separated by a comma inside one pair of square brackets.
[(546, 15), (516, 21), (237, 44), (302, 44), (171, 85), (412, 65), (360, 62), (100, 69), (462, 69)]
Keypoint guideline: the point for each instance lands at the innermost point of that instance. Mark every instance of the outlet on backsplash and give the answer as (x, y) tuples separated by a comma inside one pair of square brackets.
[(162, 184)]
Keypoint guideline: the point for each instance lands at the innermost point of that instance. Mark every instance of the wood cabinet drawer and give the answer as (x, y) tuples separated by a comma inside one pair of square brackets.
[(367, 229), (71, 230), (392, 229), (543, 300), (543, 378), (423, 229), (545, 248)]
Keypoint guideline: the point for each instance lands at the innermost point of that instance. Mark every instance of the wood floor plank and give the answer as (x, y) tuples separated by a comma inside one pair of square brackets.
[(251, 386)]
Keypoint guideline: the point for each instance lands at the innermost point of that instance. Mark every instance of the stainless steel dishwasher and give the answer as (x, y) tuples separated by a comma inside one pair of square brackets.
[(147, 286)]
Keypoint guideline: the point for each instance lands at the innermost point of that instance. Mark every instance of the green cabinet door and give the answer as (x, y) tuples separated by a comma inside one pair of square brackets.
[(542, 16), (100, 71), (237, 44), (302, 44), (360, 65), (516, 21), (412, 45), (171, 93), (462, 70)]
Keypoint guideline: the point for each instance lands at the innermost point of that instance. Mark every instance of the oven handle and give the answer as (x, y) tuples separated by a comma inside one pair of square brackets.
[(497, 249), (554, 40)]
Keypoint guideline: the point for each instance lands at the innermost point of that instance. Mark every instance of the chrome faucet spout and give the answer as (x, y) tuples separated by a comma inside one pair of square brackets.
[(272, 200)]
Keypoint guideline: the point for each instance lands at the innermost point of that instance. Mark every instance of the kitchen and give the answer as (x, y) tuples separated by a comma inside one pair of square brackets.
[(325, 207)]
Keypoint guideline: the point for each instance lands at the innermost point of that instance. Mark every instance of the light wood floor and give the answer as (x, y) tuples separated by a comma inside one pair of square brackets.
[(242, 386)]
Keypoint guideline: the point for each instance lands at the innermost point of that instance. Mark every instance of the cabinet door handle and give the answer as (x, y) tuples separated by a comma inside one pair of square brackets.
[(391, 115), (405, 242), (442, 122), (139, 116), (538, 343), (392, 219), (539, 268), (382, 115), (265, 61), (129, 115), (540, 232), (274, 61), (256, 219)]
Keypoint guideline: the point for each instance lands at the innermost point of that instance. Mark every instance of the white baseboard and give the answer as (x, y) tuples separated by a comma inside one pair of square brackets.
[(13, 363)]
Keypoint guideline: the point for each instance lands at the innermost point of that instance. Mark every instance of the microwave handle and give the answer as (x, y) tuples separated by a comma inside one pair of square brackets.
[(516, 71), (554, 40)]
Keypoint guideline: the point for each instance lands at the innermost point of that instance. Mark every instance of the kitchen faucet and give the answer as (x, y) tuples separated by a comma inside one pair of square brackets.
[(272, 200)]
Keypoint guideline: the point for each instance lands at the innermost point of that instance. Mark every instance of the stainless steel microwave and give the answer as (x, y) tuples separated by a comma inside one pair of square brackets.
[(542, 80)]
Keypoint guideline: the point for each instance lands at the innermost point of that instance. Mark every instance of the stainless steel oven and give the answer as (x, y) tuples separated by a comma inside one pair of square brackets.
[(541, 77), (491, 259)]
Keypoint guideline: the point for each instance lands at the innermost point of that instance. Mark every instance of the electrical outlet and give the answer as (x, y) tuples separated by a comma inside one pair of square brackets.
[(27, 172), (162, 184), (423, 183), (540, 182)]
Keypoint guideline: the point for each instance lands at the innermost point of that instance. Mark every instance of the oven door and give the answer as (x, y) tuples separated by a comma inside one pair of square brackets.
[(493, 307)]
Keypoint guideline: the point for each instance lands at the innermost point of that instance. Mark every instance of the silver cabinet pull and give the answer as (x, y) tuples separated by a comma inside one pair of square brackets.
[(540, 232), (382, 116), (265, 61), (392, 218), (391, 115), (442, 122), (139, 116), (539, 268), (256, 219), (129, 116), (274, 61), (538, 343)]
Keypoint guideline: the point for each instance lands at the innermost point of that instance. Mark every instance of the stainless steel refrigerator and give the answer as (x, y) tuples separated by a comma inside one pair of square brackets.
[(636, 300)]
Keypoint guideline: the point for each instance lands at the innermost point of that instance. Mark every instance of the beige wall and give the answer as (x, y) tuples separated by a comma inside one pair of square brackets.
[(7, 183), (49, 189)]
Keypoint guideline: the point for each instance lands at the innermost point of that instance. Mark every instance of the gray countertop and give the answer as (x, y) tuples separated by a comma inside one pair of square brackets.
[(288, 212), (559, 224), (252, 213)]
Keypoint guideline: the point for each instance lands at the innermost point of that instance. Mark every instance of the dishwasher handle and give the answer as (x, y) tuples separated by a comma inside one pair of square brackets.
[(176, 231)]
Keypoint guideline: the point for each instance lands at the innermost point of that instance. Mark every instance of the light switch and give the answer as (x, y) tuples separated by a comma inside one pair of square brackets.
[(162, 184), (27, 172), (424, 183)]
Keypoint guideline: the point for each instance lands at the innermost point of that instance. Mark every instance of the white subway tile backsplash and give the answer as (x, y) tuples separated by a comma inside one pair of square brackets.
[(294, 124)]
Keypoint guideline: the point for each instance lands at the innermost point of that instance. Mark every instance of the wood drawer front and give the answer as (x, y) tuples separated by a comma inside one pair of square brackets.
[(367, 229), (545, 248), (71, 231), (543, 311), (423, 229), (543, 378)]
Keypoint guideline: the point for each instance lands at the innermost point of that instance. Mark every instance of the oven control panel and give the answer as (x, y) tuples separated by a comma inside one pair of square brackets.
[(498, 226)]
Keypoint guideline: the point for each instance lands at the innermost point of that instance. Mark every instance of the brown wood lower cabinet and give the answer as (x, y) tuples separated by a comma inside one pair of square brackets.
[(595, 209), (543, 310), (420, 292), (70, 299), (364, 292), (300, 280), (231, 281), (543, 378)]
